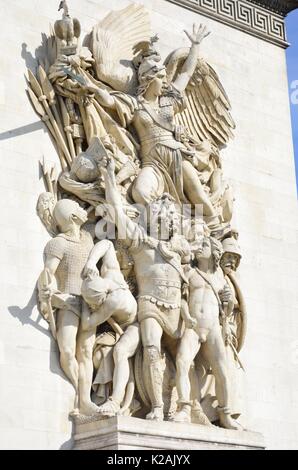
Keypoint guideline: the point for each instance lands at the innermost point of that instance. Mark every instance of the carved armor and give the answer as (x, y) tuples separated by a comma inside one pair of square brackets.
[(73, 256), (164, 292)]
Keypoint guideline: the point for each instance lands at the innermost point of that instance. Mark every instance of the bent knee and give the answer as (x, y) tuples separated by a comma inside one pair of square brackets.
[(141, 194), (146, 186), (67, 354)]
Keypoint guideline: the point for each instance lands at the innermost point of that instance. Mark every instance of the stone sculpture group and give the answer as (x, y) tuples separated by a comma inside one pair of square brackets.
[(138, 284)]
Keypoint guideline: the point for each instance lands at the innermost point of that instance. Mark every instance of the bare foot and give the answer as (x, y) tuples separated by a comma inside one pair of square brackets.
[(109, 408), (183, 415), (89, 409), (226, 421), (74, 412), (156, 414), (198, 416)]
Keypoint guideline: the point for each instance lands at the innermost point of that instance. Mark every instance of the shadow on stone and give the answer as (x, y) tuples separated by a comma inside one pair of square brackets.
[(24, 316), (35, 126), (31, 62), (68, 445)]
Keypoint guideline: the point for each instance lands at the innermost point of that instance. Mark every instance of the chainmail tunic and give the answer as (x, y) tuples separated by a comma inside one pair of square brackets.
[(73, 256)]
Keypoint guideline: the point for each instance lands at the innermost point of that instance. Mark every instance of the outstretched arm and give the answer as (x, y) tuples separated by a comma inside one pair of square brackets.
[(103, 96), (196, 37), (102, 250), (126, 227)]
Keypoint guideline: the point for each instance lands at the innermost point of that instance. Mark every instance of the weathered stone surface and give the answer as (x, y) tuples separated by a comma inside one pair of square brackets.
[(123, 433)]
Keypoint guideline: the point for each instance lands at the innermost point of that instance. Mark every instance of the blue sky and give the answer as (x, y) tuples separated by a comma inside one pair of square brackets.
[(292, 60)]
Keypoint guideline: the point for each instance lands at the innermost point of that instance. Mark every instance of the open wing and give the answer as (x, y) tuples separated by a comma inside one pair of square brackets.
[(112, 45), (207, 112)]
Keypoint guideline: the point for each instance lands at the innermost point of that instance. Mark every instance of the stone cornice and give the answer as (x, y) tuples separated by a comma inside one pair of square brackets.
[(280, 6), (263, 19)]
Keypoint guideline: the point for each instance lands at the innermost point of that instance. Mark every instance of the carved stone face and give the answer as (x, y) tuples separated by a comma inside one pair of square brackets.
[(67, 212), (159, 83), (164, 219), (81, 215), (205, 250), (167, 222), (196, 235), (229, 262)]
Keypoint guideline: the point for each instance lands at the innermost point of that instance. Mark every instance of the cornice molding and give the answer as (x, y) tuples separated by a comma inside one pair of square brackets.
[(263, 19), (280, 6)]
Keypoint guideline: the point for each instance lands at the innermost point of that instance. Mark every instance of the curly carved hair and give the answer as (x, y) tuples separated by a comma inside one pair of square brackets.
[(216, 250)]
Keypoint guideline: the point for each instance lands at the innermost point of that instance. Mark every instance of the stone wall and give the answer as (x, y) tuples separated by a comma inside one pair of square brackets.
[(35, 397)]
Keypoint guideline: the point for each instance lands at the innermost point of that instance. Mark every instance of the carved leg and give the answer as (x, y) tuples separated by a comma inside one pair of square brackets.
[(151, 338), (152, 361), (85, 345), (123, 350), (214, 351), (194, 190), (67, 328), (146, 186), (187, 351)]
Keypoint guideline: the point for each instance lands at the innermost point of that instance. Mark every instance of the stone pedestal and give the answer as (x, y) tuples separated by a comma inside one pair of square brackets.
[(125, 433)]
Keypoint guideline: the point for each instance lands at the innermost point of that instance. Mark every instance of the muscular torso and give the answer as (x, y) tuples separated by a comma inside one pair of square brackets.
[(156, 277), (203, 304)]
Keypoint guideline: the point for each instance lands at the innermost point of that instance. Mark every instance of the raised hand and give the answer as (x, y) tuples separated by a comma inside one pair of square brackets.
[(198, 34), (107, 166), (226, 294), (45, 294), (190, 323)]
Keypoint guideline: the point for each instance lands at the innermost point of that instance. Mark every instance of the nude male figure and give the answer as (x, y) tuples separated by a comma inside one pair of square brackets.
[(110, 299), (204, 332)]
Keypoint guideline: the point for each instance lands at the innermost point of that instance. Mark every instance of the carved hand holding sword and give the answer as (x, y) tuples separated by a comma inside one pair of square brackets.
[(226, 312)]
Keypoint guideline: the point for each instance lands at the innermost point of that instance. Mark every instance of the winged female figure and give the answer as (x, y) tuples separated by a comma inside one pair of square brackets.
[(172, 160)]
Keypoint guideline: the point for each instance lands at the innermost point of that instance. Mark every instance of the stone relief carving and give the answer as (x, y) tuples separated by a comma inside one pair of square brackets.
[(138, 283), (263, 19)]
